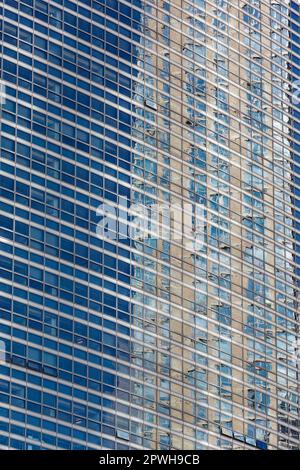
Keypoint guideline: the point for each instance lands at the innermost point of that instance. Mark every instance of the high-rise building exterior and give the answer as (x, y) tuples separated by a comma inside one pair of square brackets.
[(149, 217)]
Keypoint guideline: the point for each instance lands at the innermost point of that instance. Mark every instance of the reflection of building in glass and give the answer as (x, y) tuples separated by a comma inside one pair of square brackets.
[(162, 343), (219, 321)]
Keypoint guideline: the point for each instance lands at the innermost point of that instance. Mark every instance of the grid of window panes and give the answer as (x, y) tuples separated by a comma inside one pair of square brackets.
[(122, 344), (295, 111), (219, 324), (65, 293)]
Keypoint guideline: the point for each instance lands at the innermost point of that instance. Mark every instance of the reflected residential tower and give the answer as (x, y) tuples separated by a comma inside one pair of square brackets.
[(177, 339), (218, 306)]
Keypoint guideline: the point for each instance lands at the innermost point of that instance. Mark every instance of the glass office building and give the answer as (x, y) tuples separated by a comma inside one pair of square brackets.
[(181, 332)]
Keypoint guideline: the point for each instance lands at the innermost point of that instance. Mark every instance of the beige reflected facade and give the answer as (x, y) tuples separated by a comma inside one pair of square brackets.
[(215, 315)]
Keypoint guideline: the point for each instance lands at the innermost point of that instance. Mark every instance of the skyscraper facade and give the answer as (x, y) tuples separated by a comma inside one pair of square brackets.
[(149, 217)]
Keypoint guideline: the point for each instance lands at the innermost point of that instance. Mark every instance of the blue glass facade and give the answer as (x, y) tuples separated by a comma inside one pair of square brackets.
[(295, 74), (65, 143), (183, 341)]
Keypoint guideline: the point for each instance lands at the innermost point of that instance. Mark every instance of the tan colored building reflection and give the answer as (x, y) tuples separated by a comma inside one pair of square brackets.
[(212, 130)]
